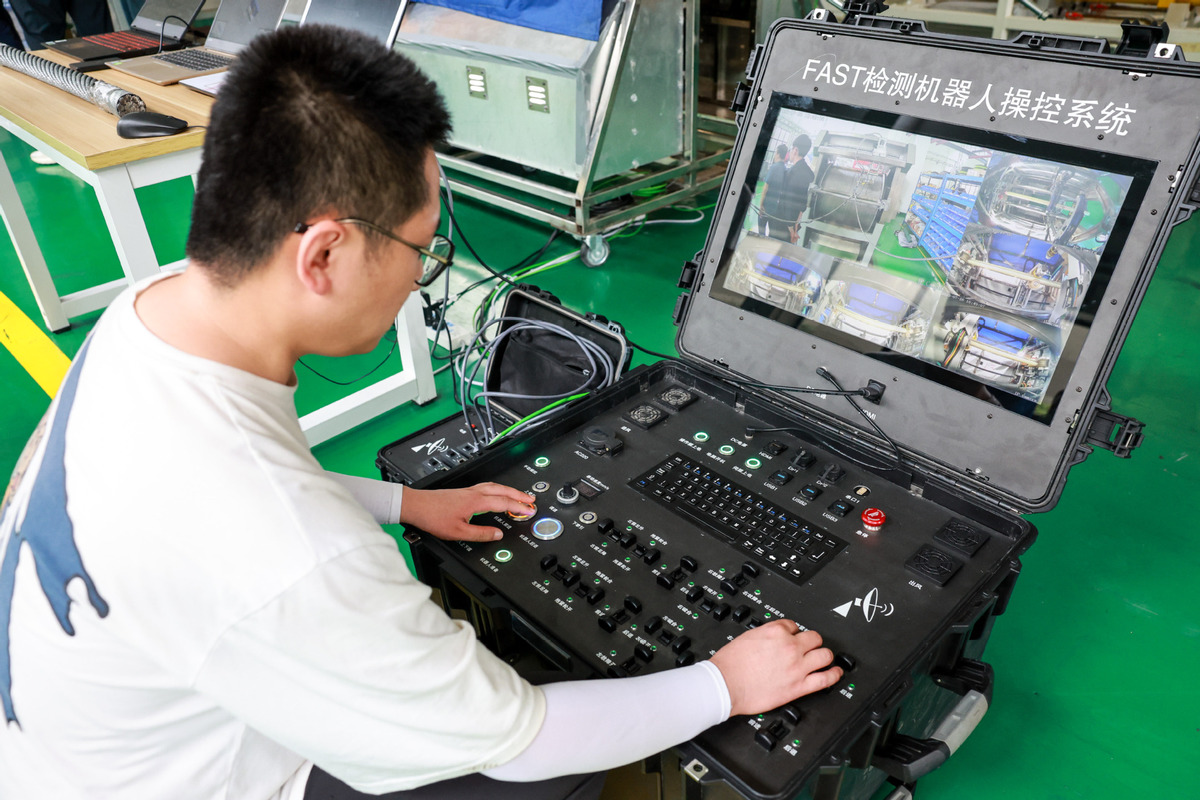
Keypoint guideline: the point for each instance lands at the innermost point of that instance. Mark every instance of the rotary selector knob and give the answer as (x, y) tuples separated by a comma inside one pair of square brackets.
[(567, 495)]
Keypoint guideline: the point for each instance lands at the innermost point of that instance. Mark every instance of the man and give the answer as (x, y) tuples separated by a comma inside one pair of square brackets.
[(191, 606), (772, 190), (46, 20), (793, 198)]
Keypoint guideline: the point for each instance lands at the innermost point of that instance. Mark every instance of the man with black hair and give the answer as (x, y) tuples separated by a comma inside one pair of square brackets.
[(190, 606), (793, 199)]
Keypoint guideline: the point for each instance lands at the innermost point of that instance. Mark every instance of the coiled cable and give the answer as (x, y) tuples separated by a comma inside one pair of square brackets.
[(113, 99)]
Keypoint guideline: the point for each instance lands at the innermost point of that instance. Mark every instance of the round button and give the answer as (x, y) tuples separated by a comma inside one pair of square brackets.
[(700, 436), (587, 517), (753, 463), (521, 516), (547, 528), (541, 462), (726, 449), (540, 486), (873, 519), (503, 556)]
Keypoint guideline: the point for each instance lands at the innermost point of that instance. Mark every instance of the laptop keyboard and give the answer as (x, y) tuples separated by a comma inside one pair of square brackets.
[(123, 40), (198, 60)]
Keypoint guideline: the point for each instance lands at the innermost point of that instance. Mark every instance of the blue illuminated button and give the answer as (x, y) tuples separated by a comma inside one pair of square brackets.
[(547, 528)]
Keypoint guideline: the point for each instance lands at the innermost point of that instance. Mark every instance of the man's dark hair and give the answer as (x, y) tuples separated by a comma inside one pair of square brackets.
[(311, 119), (781, 150), (803, 144)]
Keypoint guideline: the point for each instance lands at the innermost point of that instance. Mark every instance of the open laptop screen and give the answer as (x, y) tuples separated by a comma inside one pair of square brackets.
[(972, 259), (378, 18)]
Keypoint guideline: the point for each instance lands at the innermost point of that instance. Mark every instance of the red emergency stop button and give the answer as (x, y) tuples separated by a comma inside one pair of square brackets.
[(873, 519)]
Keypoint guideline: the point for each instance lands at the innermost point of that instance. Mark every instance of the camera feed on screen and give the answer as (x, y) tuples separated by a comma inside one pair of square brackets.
[(968, 258)]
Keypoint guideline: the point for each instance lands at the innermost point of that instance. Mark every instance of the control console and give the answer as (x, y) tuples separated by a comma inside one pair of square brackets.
[(666, 524)]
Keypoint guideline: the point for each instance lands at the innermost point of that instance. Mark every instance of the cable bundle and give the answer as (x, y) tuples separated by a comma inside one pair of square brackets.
[(476, 401), (112, 99)]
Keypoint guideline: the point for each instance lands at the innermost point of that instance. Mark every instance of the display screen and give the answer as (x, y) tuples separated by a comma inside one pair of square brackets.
[(971, 258), (376, 18)]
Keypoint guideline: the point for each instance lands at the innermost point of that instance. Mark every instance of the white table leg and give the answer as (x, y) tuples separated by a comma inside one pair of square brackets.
[(118, 202), (29, 252)]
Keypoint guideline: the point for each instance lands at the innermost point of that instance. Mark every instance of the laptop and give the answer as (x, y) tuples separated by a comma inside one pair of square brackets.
[(143, 35), (378, 18), (237, 22)]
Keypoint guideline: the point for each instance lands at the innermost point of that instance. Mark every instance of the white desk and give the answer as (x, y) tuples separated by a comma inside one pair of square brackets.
[(83, 140)]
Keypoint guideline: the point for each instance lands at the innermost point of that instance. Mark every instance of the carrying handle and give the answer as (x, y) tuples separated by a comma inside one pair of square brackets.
[(906, 759)]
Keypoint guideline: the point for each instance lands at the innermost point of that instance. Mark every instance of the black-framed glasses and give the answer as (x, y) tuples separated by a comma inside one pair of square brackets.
[(436, 257)]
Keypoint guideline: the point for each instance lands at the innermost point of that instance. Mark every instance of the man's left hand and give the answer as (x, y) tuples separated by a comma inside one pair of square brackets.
[(446, 513)]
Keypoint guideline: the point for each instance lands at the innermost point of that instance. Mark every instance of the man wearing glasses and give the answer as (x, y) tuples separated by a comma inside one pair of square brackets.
[(190, 606)]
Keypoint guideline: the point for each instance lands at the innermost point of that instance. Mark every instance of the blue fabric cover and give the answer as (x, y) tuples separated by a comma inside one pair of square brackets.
[(578, 18)]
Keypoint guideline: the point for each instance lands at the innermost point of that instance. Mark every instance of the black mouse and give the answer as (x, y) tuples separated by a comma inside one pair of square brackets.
[(140, 124)]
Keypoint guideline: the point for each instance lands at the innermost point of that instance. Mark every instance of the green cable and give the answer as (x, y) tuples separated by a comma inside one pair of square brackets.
[(543, 410)]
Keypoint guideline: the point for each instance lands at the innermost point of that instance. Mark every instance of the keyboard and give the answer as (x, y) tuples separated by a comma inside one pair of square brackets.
[(124, 40), (778, 536), (199, 60)]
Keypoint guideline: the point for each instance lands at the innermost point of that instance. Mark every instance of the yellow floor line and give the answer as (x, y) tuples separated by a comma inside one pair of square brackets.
[(32, 348)]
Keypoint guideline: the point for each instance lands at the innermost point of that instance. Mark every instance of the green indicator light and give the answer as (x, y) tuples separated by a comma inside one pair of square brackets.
[(547, 583), (663, 567), (758, 591), (628, 527), (574, 564), (654, 647), (607, 606), (541, 461), (504, 556), (726, 449), (691, 583), (795, 742), (612, 652), (628, 559), (851, 687), (722, 569), (720, 597), (760, 716), (700, 436), (768, 616), (753, 463), (605, 543), (633, 627), (695, 616)]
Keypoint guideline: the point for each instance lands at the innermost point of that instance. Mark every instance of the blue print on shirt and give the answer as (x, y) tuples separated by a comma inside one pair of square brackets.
[(47, 531)]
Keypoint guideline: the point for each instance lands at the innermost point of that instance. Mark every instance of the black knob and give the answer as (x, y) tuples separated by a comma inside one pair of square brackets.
[(665, 581), (729, 587), (651, 555), (653, 624), (548, 562), (605, 525), (750, 569), (721, 611), (765, 740), (628, 539), (571, 578), (595, 596), (633, 604), (644, 653), (607, 623), (695, 594), (689, 563), (685, 659), (681, 644), (846, 661)]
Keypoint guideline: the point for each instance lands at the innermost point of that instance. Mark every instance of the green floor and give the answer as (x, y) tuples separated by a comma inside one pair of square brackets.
[(1098, 657)]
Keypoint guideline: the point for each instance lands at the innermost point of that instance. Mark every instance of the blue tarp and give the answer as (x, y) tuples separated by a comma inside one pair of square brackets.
[(578, 18)]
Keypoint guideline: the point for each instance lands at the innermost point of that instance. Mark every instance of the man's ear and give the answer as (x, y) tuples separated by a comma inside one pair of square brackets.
[(318, 250)]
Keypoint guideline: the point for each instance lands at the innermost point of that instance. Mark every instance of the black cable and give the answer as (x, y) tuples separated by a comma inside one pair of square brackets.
[(162, 31), (367, 374), (637, 346), (827, 375)]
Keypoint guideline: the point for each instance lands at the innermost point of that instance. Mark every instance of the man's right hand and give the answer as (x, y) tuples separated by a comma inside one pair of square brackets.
[(773, 664)]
